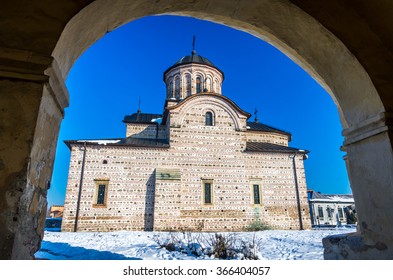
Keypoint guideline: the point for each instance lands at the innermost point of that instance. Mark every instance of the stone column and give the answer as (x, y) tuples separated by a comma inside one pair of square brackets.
[(370, 165), (32, 101)]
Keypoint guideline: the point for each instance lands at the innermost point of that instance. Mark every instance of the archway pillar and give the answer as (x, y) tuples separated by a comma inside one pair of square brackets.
[(370, 166), (32, 101)]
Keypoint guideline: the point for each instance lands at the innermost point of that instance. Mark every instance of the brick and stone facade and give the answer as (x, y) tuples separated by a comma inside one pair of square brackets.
[(199, 166)]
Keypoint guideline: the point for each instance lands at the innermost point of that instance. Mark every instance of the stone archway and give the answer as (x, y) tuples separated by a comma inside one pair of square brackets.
[(34, 96)]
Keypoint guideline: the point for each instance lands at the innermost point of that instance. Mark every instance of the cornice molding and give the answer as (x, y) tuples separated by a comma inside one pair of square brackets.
[(368, 128)]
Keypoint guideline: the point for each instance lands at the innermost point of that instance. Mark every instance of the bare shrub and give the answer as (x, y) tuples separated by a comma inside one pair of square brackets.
[(250, 250), (217, 245), (170, 242)]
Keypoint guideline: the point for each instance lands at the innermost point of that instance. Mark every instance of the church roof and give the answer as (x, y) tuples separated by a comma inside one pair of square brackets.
[(256, 126), (144, 142), (162, 143), (148, 118), (129, 142), (142, 118), (269, 147), (195, 59)]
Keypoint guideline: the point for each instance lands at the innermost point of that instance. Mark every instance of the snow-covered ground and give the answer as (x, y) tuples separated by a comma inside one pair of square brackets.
[(123, 245)]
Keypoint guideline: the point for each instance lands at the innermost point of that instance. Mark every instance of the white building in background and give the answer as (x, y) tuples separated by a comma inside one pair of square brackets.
[(331, 209)]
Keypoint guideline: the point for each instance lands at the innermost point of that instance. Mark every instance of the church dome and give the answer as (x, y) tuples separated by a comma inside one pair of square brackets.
[(195, 59), (192, 74)]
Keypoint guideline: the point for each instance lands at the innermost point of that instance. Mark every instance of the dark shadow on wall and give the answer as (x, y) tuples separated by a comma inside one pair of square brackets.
[(149, 202), (150, 132)]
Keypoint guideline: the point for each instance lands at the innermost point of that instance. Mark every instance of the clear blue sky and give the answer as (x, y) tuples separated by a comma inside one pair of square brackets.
[(107, 81)]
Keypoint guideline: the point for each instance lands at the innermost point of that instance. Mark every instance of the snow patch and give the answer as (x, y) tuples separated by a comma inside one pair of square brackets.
[(157, 120), (124, 245), (100, 142)]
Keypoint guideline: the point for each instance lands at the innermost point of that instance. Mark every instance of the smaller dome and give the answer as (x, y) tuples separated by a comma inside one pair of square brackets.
[(190, 75), (193, 58)]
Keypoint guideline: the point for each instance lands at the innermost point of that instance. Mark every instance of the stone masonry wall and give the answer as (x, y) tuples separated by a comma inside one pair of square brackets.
[(274, 138), (279, 198), (130, 197), (146, 131), (162, 188)]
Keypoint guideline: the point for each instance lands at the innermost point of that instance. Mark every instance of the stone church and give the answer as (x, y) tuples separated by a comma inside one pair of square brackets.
[(201, 165)]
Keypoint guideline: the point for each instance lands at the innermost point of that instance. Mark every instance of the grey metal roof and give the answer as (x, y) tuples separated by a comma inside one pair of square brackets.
[(266, 128), (144, 142), (141, 118), (129, 142), (193, 58), (269, 147)]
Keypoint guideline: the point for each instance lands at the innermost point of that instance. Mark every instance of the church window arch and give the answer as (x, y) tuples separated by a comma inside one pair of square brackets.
[(170, 88), (198, 84), (188, 84), (177, 87), (209, 119)]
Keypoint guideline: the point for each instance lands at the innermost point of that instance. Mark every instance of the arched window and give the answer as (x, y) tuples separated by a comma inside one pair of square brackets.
[(170, 89), (188, 84), (198, 85), (209, 119), (177, 87)]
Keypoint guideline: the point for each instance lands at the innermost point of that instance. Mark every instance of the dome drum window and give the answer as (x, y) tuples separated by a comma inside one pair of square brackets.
[(188, 84), (192, 74), (198, 85)]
